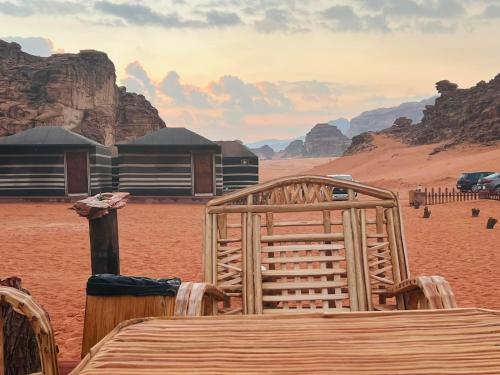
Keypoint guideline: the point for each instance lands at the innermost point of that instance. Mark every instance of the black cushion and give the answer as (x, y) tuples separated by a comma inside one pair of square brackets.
[(116, 285)]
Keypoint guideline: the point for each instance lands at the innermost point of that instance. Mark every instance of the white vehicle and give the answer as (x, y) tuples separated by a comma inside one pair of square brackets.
[(340, 194)]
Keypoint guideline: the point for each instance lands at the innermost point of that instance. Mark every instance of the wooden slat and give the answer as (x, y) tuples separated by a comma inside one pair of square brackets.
[(302, 247), (305, 259), (306, 297), (303, 237), (257, 264), (303, 285), (349, 253), (301, 207), (303, 272)]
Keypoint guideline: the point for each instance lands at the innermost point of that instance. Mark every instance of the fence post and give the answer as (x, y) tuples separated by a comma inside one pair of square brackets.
[(446, 195)]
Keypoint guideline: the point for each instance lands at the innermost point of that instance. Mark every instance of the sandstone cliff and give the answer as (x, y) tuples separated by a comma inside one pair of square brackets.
[(383, 118), (76, 91), (325, 140), (458, 116), (264, 152)]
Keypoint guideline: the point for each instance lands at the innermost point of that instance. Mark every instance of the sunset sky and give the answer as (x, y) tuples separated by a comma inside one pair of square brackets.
[(267, 68)]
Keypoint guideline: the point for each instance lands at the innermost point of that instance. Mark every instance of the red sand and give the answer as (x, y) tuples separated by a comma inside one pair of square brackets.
[(47, 245), (399, 167)]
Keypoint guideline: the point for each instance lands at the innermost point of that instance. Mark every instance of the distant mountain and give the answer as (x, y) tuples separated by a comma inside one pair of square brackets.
[(382, 118), (342, 124), (263, 152), (321, 140), (276, 144)]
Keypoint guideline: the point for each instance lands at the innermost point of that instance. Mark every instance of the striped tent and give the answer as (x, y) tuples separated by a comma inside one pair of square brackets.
[(170, 162), (240, 166), (53, 161)]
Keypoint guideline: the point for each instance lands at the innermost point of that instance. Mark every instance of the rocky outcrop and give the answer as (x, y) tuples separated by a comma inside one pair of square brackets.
[(76, 91), (325, 140), (458, 116), (383, 118), (342, 124), (294, 150), (264, 152), (361, 143)]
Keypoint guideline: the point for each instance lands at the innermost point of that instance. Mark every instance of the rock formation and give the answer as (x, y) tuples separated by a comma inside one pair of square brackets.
[(294, 150), (325, 140), (383, 118), (264, 152), (342, 124), (458, 116), (360, 143), (76, 91)]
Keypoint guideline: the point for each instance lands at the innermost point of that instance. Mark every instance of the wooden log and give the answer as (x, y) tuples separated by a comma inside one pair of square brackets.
[(349, 254), (427, 212), (18, 345), (257, 264), (104, 247), (305, 207), (491, 223)]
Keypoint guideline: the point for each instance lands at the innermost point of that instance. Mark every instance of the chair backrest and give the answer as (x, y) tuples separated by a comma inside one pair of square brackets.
[(23, 304), (289, 246)]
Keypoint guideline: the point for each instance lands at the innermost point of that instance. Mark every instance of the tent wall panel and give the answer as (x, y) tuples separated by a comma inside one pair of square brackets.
[(240, 172)]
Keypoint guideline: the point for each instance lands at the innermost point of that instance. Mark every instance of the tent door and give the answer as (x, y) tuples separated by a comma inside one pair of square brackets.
[(203, 165), (77, 173)]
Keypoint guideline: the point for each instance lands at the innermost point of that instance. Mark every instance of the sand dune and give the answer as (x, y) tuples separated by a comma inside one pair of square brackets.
[(397, 166)]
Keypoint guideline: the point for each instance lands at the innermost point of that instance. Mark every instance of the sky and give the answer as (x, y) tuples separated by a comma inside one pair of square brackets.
[(260, 69)]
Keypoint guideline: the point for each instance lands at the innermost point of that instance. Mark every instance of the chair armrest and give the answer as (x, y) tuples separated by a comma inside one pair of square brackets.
[(425, 292), (198, 299)]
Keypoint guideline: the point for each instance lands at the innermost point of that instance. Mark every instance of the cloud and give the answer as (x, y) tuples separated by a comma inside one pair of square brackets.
[(142, 15), (37, 46), (491, 11), (276, 19), (26, 8), (137, 80), (183, 95), (344, 18)]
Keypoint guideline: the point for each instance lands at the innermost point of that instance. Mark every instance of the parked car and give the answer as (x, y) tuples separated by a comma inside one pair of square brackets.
[(467, 180), (490, 183), (338, 193)]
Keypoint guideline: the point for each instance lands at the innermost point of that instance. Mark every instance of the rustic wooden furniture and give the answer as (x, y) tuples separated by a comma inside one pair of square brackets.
[(287, 246), (103, 313), (457, 341), (23, 304)]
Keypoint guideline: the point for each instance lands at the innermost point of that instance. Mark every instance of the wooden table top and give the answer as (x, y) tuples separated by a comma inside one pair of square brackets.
[(460, 341)]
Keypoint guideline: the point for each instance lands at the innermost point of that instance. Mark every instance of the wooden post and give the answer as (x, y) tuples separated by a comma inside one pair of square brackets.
[(104, 248), (2, 363), (100, 210), (18, 344)]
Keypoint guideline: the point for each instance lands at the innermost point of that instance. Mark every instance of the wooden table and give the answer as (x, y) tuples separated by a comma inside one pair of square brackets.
[(460, 341)]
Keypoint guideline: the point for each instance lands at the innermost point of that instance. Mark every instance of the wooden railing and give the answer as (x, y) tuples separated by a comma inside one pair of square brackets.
[(439, 195), (433, 196)]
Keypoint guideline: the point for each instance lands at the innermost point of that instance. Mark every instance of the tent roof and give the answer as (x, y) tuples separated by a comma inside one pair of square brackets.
[(235, 149), (47, 135), (171, 137)]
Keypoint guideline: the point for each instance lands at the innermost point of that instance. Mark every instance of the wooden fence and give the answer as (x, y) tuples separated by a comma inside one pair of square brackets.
[(438, 196), (445, 195)]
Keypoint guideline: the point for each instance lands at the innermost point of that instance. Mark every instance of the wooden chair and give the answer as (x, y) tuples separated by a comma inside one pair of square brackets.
[(23, 304), (288, 246)]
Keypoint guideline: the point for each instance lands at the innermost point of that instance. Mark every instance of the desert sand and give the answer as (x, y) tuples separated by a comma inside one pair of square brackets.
[(47, 245), (396, 166)]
